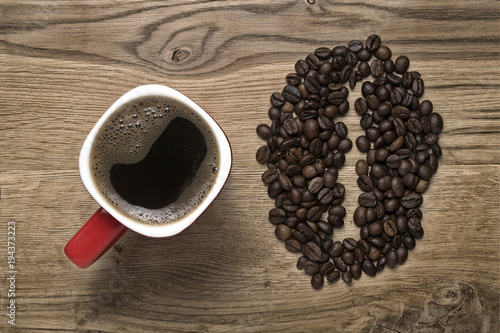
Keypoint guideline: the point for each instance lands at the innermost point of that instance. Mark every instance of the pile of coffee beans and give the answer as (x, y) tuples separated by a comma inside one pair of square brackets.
[(306, 146)]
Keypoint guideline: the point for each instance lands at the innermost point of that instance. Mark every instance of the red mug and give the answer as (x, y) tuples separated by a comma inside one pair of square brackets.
[(109, 223)]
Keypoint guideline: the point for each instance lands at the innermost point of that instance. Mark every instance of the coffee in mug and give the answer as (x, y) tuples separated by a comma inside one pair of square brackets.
[(154, 160)]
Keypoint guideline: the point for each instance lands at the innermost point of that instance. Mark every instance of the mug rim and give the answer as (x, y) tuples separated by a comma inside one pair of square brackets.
[(162, 229)]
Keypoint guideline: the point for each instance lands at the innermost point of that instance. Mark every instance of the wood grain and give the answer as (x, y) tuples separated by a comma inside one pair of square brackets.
[(63, 63)]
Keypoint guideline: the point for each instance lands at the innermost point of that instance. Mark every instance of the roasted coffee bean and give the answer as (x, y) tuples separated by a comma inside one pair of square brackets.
[(418, 87), (274, 189), (363, 143), (325, 227), (373, 43), (306, 147), (264, 131), (401, 64), (291, 94), (314, 213), (293, 245), (270, 175), (312, 251), (325, 196), (301, 67), (377, 68), (277, 99), (409, 242), (355, 46), (348, 257), (361, 167), (283, 232), (290, 126), (326, 268), (317, 281), (285, 182), (436, 123), (293, 79), (336, 249), (323, 53), (411, 200), (301, 262), (339, 264), (311, 267), (316, 184), (365, 183), (345, 73), (263, 154), (402, 254), (368, 199), (333, 276), (368, 267), (350, 244), (277, 216), (390, 228), (346, 277), (400, 111)]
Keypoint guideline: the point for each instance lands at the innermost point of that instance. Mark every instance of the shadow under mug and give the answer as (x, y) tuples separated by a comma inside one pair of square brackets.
[(108, 224)]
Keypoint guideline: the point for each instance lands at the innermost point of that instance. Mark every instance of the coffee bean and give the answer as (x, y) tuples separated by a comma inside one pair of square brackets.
[(339, 264), (269, 175), (336, 249), (316, 184), (400, 112), (293, 79), (314, 214), (293, 245), (401, 64), (313, 61), (390, 228), (301, 67), (277, 216), (323, 53), (341, 129), (411, 200), (291, 94), (333, 276), (373, 43), (263, 154), (277, 99), (264, 131), (377, 68), (317, 281), (305, 148), (402, 254), (283, 232), (409, 242), (311, 267), (436, 123), (350, 244), (418, 87), (368, 267), (312, 251), (383, 53), (367, 199), (325, 196), (274, 189)]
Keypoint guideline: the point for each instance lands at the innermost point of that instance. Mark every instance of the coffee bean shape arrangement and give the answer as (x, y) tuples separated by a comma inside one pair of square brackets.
[(306, 146)]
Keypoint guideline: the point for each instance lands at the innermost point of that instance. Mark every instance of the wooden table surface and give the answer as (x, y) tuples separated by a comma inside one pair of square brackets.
[(63, 63)]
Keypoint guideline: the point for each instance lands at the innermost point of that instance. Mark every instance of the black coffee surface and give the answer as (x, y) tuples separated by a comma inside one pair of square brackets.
[(160, 177)]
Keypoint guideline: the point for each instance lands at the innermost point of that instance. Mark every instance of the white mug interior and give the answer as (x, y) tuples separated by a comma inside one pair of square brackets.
[(162, 229)]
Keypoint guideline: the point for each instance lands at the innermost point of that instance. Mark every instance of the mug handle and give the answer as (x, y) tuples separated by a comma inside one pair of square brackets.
[(94, 239)]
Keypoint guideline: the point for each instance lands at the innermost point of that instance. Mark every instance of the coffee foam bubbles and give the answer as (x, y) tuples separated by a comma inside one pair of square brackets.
[(127, 137)]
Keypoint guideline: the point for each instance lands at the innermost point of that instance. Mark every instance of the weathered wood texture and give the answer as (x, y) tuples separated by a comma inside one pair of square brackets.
[(62, 63)]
